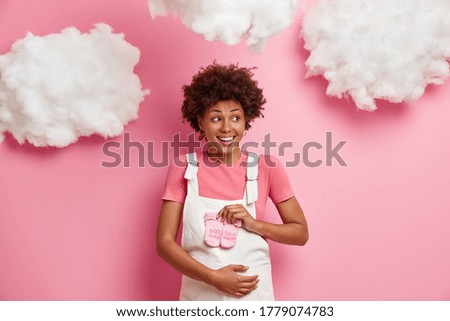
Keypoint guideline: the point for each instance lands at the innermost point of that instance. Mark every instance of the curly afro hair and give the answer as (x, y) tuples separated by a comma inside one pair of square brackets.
[(219, 82)]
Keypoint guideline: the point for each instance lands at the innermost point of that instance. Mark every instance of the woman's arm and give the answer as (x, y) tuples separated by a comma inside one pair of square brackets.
[(225, 279), (294, 229)]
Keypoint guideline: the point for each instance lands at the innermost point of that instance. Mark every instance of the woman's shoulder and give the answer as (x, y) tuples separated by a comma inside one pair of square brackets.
[(181, 161), (268, 165), (178, 161), (269, 162)]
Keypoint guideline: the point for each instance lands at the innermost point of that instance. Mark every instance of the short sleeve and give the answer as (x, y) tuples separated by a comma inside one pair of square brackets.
[(176, 185), (280, 188)]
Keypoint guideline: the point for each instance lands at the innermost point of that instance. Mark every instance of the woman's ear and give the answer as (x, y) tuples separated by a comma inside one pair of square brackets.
[(200, 122)]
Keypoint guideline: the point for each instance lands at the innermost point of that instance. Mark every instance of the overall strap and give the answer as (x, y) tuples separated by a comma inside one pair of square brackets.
[(191, 174), (251, 187)]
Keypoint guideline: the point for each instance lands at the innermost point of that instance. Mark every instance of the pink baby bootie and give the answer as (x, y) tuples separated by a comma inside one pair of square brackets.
[(213, 230), (229, 234)]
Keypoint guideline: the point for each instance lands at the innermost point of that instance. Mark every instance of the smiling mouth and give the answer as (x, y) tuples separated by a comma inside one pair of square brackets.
[(226, 139)]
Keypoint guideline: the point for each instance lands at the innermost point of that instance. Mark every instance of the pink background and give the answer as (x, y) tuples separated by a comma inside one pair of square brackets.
[(73, 230)]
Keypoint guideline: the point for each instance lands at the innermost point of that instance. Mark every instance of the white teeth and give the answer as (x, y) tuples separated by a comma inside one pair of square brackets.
[(226, 139)]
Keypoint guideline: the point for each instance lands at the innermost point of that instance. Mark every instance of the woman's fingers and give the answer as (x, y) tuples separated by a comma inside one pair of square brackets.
[(231, 213), (235, 284), (238, 267), (249, 285), (246, 288)]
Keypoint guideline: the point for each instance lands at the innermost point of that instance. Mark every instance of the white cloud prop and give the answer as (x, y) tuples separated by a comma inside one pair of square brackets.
[(229, 20), (387, 49), (56, 88)]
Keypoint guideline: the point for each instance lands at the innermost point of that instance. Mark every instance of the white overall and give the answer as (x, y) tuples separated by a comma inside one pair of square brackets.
[(250, 249)]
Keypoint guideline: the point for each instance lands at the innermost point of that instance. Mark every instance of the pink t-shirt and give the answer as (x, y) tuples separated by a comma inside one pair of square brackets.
[(227, 182)]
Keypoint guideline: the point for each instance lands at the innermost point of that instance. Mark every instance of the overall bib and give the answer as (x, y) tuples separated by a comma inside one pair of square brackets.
[(250, 248)]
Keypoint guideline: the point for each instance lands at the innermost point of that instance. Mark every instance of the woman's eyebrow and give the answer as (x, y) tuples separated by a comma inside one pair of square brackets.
[(219, 111)]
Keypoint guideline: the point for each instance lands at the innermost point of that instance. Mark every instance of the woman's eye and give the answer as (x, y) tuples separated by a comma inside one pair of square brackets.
[(235, 118), (215, 119)]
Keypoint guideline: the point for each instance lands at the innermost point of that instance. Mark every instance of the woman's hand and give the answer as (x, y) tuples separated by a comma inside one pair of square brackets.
[(227, 280), (294, 229), (231, 213)]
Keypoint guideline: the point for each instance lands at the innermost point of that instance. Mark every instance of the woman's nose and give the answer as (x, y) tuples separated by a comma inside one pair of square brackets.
[(226, 126)]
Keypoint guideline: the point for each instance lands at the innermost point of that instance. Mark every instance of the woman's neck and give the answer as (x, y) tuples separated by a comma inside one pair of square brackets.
[(228, 157)]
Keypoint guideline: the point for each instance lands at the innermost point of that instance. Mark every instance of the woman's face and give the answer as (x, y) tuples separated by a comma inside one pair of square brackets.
[(224, 126)]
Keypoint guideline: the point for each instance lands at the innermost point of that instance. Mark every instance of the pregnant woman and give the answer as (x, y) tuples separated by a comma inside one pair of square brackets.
[(218, 195)]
